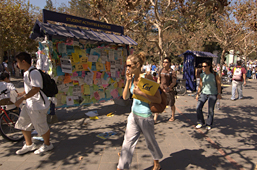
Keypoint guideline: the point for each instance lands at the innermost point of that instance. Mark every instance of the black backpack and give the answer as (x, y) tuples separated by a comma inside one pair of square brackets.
[(2, 69), (49, 86)]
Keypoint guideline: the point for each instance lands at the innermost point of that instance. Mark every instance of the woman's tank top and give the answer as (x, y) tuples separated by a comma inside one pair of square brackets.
[(138, 107)]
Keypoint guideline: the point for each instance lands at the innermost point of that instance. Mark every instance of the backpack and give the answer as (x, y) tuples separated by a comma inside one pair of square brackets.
[(2, 69), (237, 74), (159, 107), (49, 86)]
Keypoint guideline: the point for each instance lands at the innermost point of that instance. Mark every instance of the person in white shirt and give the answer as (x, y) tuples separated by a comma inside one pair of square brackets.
[(34, 112), (172, 67), (7, 90)]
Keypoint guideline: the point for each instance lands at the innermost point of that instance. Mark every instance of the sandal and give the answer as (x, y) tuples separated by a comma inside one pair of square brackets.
[(160, 168), (171, 119)]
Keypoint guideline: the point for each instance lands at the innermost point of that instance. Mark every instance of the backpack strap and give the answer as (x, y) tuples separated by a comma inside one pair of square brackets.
[(42, 81), (170, 73)]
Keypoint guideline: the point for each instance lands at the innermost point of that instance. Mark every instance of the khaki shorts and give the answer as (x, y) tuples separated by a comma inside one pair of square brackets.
[(171, 98), (30, 119)]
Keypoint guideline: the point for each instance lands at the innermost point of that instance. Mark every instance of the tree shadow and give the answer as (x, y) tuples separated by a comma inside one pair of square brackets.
[(194, 159), (238, 123)]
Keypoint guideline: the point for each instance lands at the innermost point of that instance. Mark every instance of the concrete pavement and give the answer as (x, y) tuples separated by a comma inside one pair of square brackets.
[(231, 144)]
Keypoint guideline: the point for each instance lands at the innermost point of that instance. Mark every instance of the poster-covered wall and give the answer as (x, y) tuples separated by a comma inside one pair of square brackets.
[(85, 73)]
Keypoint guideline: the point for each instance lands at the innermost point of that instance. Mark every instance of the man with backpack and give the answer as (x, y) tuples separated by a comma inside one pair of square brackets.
[(34, 112), (238, 80), (168, 80)]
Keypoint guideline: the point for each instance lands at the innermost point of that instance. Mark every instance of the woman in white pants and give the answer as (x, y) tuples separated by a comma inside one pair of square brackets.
[(140, 118)]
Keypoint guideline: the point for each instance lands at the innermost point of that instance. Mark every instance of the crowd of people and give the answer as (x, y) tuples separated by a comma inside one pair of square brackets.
[(141, 120)]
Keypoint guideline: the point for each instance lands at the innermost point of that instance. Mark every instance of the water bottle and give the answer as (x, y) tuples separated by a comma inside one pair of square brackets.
[(218, 104)]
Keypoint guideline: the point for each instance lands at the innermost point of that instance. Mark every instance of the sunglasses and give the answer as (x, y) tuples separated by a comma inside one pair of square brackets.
[(128, 65), (166, 62), (204, 66)]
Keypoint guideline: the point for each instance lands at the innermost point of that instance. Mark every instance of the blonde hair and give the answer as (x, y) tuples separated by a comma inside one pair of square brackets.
[(138, 58)]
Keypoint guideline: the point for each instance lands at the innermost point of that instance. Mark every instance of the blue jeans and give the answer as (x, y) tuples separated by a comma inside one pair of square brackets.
[(239, 86), (211, 103)]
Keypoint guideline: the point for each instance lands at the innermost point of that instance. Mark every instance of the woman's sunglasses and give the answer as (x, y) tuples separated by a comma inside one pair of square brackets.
[(128, 65), (204, 66)]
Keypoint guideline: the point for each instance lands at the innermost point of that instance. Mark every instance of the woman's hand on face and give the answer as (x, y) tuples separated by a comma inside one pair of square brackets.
[(128, 76)]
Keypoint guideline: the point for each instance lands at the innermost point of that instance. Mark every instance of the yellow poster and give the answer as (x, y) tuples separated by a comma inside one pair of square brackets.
[(77, 50), (79, 67), (86, 89), (99, 66), (75, 57), (83, 60)]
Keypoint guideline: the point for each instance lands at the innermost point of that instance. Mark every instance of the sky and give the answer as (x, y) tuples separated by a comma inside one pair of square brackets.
[(41, 3)]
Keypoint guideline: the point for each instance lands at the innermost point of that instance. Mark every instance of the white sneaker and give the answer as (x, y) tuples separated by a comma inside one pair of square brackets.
[(26, 149), (44, 148), (198, 126), (208, 127)]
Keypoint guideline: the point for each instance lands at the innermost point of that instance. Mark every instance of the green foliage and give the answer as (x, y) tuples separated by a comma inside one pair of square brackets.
[(49, 5), (17, 21)]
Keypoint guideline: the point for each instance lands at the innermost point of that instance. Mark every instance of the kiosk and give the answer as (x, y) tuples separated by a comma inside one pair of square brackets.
[(88, 66), (191, 60)]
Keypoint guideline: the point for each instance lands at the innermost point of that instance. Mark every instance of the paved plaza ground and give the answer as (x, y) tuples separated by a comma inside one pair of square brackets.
[(231, 144)]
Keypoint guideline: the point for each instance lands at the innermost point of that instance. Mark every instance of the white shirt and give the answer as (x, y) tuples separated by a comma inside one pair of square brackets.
[(172, 67), (10, 88), (35, 102), (148, 68)]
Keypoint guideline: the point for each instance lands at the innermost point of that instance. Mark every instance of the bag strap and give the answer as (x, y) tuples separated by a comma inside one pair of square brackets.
[(170, 73), (42, 81)]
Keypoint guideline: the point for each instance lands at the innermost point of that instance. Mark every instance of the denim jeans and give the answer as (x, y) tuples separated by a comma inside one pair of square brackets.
[(239, 86), (211, 103)]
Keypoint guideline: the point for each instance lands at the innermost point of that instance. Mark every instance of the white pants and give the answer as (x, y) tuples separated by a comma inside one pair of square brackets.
[(135, 126)]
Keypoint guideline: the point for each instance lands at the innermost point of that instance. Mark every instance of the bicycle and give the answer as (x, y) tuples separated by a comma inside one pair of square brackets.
[(180, 88), (8, 119)]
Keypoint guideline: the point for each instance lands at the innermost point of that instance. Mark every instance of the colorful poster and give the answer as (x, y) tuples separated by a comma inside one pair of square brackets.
[(75, 57), (79, 67), (99, 66), (83, 60), (66, 65), (93, 58)]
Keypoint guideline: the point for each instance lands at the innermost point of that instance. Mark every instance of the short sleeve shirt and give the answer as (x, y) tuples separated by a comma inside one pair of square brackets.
[(209, 84), (165, 78), (35, 102), (243, 70)]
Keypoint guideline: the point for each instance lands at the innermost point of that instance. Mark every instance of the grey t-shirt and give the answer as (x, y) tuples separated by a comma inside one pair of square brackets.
[(209, 84)]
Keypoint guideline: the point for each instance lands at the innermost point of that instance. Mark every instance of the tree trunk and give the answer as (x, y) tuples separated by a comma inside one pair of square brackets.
[(160, 44), (222, 61)]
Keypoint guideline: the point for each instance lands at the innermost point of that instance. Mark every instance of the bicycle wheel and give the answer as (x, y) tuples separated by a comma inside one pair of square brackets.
[(181, 89), (7, 130)]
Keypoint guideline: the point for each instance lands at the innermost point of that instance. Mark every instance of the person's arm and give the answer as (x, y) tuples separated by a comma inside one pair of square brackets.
[(21, 94), (199, 88), (173, 83), (31, 93), (218, 82), (155, 99), (244, 78), (126, 92)]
